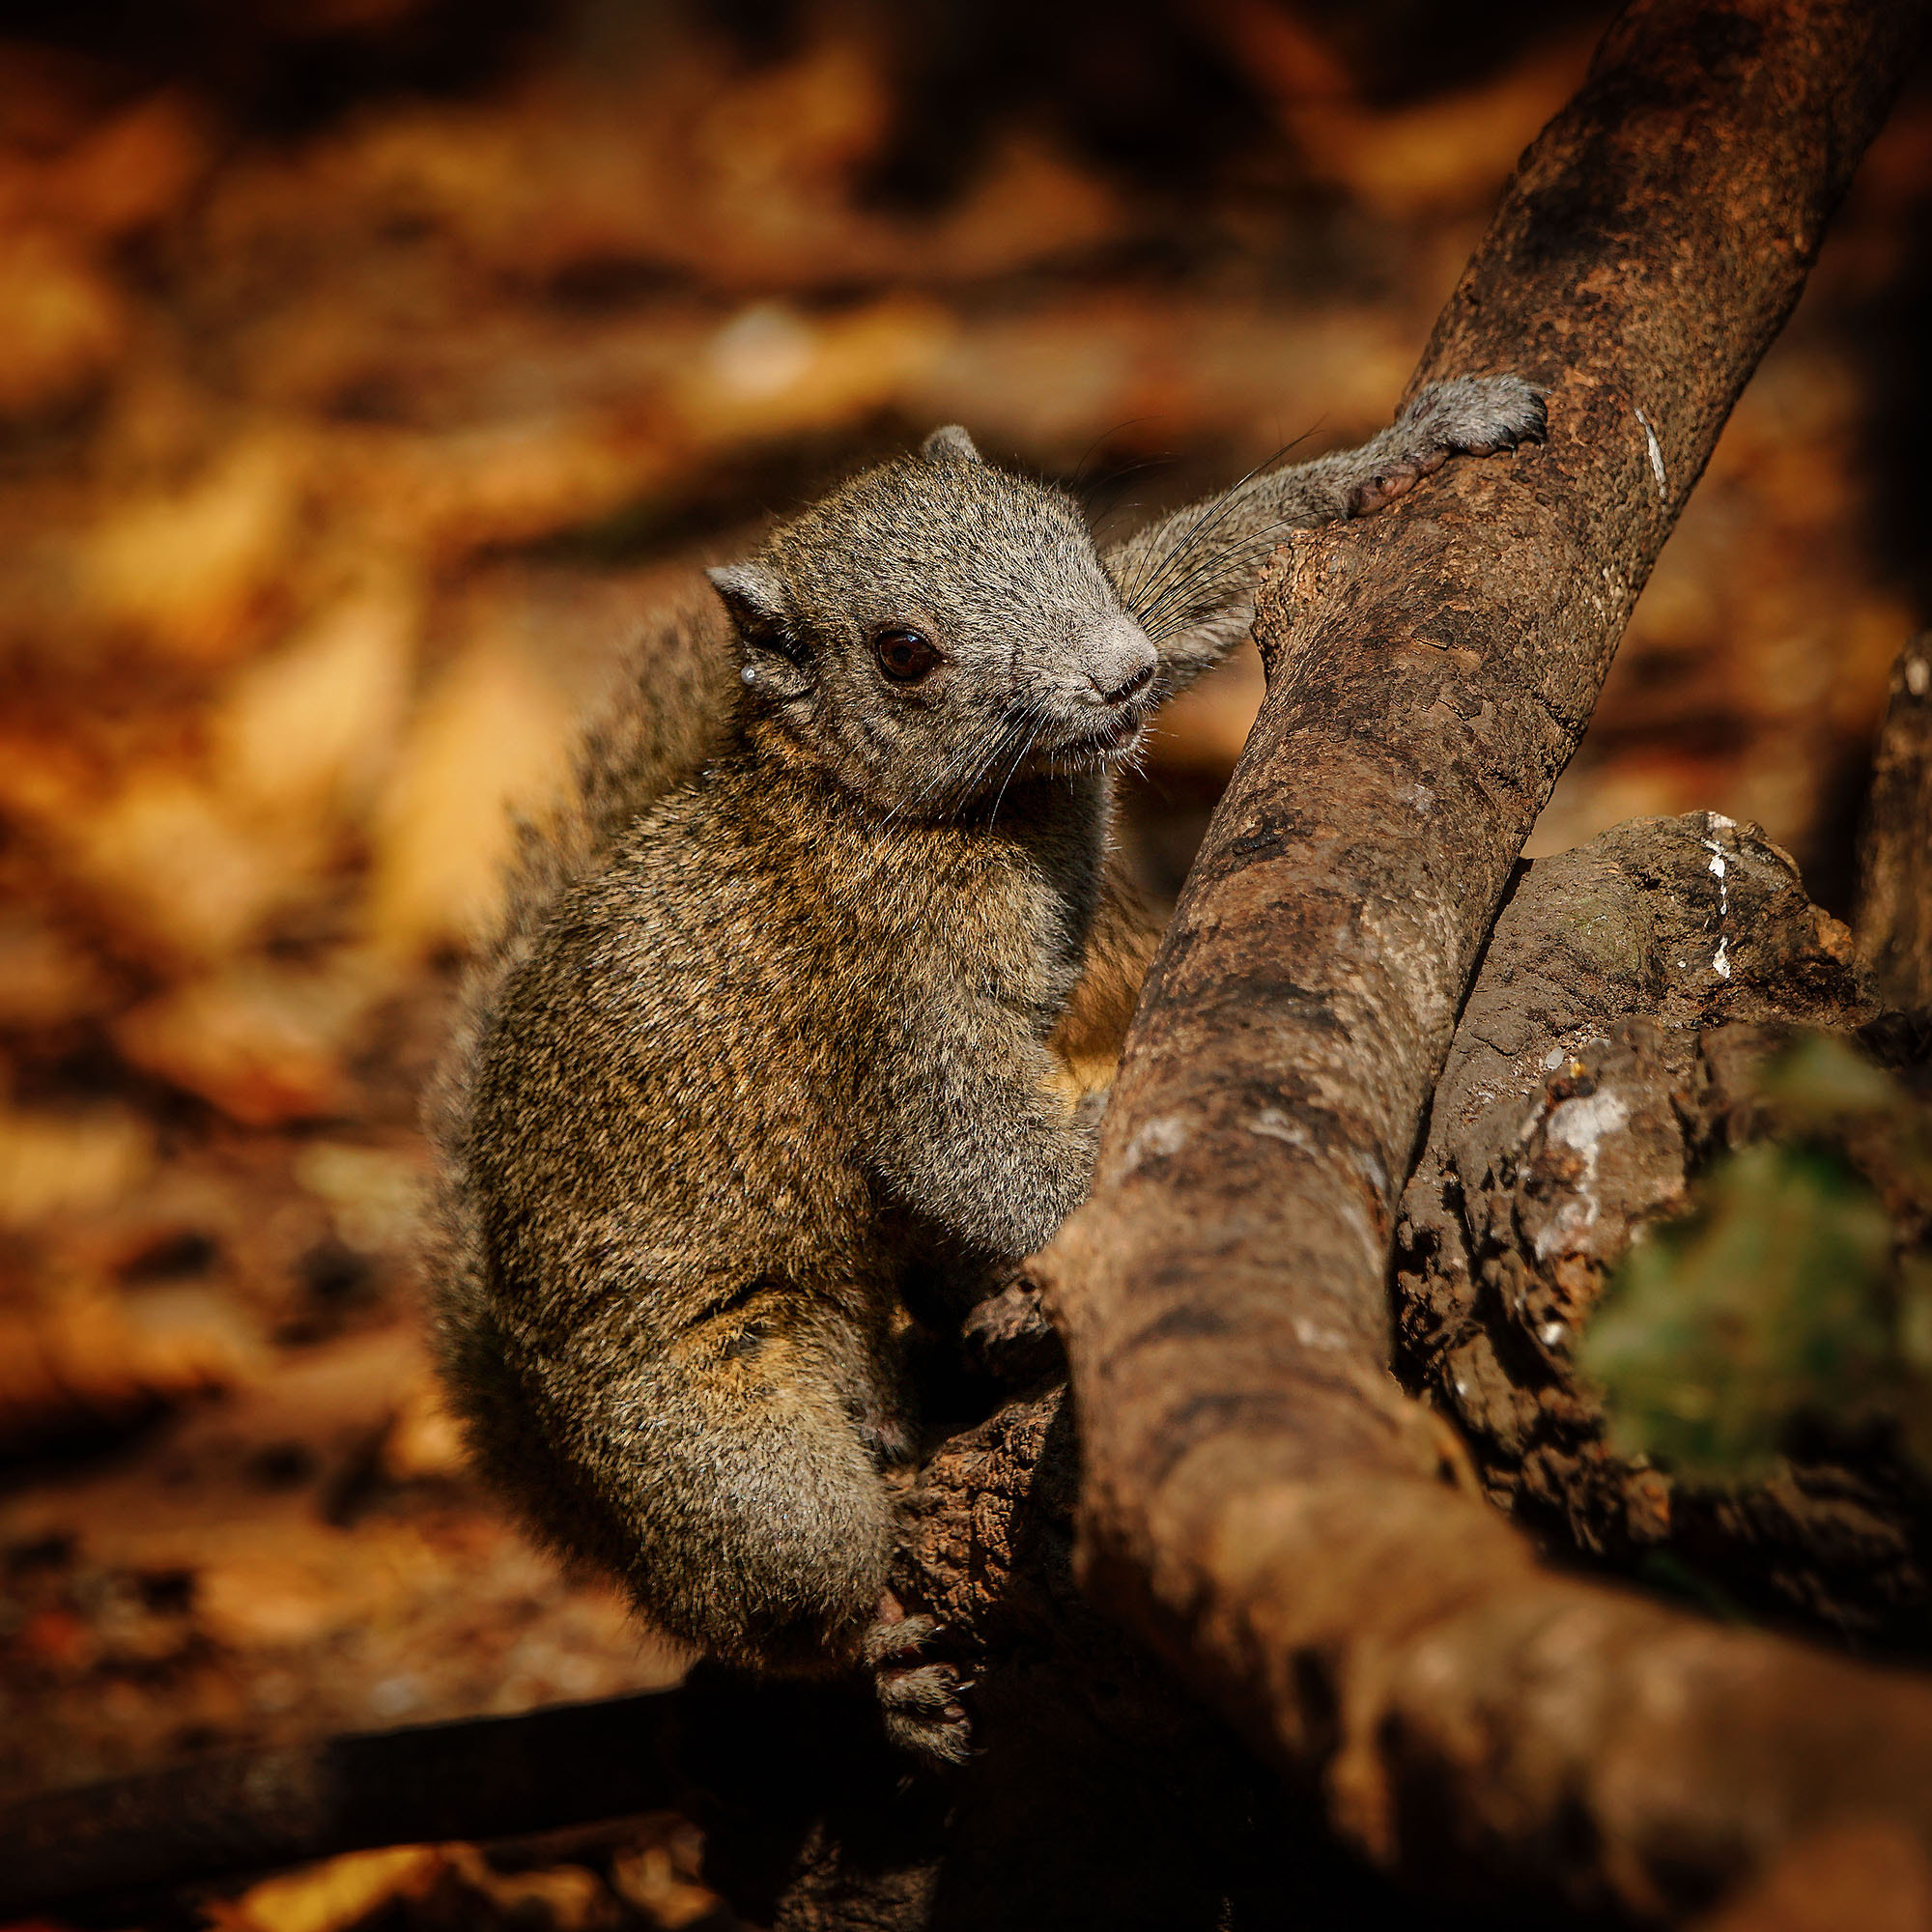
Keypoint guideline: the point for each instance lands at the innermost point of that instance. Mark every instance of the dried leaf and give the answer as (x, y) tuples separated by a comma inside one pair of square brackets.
[(170, 866), (312, 729), (374, 1193), (331, 1896), (82, 1358), (64, 323), (44, 977), (266, 1045), (425, 1440), (194, 571), (769, 371), (650, 1880), (53, 1164), (125, 174)]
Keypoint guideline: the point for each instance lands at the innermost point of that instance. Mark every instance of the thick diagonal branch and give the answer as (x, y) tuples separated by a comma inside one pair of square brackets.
[(1257, 1497)]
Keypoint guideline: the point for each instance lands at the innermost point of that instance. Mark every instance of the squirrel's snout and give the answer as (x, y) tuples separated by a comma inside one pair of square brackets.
[(1119, 661)]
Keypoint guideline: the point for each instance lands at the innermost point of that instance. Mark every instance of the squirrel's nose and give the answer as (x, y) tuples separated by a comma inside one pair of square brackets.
[(1121, 662), (1136, 680)]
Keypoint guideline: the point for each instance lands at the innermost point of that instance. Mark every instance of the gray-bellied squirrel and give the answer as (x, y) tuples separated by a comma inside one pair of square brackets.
[(779, 1019)]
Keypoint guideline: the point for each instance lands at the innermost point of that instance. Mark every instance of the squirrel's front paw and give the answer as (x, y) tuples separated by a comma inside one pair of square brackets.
[(919, 1697), (1468, 415)]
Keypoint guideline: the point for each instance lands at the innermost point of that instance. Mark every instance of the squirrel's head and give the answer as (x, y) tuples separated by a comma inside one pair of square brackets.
[(936, 627)]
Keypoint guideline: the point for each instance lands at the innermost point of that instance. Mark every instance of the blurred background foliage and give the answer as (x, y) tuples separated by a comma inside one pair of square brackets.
[(370, 366), (1794, 1301)]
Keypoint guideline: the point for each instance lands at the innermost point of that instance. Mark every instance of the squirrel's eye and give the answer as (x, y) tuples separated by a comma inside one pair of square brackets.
[(904, 656)]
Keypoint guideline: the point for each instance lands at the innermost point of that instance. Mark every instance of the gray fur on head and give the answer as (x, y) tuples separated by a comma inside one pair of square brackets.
[(1038, 665)]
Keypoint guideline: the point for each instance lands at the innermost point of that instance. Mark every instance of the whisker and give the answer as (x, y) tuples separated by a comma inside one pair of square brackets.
[(1012, 724), (1080, 481), (1150, 578), (1208, 559), (1210, 514), (1207, 514), (942, 780), (1172, 613), (1025, 750), (977, 758)]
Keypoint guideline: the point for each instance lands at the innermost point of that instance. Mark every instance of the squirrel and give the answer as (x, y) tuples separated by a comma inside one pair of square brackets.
[(776, 1035)]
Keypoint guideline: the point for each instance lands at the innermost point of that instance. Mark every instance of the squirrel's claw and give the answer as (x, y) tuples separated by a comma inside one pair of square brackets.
[(919, 1698)]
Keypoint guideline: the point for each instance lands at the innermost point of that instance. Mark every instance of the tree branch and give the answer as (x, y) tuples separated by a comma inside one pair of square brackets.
[(250, 1811), (1257, 1499), (1601, 1063)]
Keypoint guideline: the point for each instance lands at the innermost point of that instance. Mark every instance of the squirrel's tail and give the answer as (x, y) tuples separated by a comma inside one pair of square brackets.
[(662, 713), (658, 721), (664, 710)]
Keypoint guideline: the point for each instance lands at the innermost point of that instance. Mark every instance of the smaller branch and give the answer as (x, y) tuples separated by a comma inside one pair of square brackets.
[(249, 1811), (1634, 993)]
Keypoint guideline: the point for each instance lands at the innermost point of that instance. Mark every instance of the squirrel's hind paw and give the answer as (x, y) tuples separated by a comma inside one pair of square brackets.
[(919, 1698)]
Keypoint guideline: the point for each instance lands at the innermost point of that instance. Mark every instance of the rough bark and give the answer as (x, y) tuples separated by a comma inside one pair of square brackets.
[(1099, 1795), (1634, 970), (1258, 1498), (1630, 993)]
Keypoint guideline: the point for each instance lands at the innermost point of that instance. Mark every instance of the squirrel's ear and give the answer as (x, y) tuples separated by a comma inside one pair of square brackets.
[(951, 442), (775, 663), (756, 601)]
